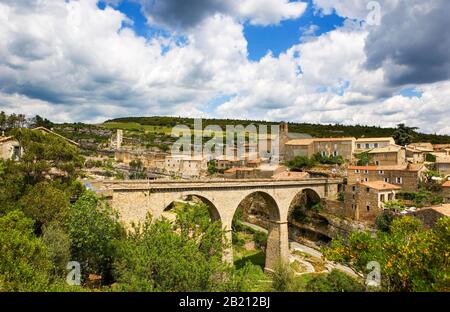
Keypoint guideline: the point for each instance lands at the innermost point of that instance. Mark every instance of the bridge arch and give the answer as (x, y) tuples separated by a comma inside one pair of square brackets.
[(195, 197), (277, 246), (306, 198)]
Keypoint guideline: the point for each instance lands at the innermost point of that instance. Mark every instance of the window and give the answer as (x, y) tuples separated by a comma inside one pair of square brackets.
[(376, 145), (368, 208), (366, 171), (399, 180), (382, 198), (380, 171), (356, 171), (358, 145), (366, 179), (353, 188), (377, 162), (367, 145), (335, 153), (386, 180), (368, 190)]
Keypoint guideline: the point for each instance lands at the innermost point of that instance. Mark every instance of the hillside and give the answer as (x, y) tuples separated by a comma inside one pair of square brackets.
[(163, 124)]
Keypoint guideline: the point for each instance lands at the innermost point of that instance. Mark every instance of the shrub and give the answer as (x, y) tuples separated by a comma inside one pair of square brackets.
[(283, 277), (25, 264), (335, 281)]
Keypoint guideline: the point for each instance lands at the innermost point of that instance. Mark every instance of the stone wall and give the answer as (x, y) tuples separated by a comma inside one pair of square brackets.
[(410, 179)]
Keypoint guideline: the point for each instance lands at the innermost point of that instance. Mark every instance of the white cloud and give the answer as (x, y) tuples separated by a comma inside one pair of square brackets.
[(267, 12), (72, 61)]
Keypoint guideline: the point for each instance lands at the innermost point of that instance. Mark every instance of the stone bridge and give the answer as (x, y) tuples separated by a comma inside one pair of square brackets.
[(135, 199)]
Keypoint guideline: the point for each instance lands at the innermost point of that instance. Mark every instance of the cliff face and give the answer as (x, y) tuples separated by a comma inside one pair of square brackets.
[(319, 227)]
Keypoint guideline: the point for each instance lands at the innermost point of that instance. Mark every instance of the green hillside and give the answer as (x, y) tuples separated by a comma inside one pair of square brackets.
[(164, 124)]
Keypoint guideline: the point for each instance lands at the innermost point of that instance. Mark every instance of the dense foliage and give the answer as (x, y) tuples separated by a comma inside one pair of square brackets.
[(411, 257)]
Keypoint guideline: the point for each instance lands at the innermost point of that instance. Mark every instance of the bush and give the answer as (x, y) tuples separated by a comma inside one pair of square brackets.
[(45, 204), (25, 264), (335, 281), (260, 239), (300, 163), (164, 256), (58, 245), (383, 221), (93, 227), (283, 277)]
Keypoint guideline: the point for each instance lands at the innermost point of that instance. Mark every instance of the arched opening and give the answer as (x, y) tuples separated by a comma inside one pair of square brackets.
[(306, 224), (191, 199), (255, 235)]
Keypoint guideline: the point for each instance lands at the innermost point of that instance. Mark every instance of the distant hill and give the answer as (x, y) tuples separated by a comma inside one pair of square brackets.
[(315, 130)]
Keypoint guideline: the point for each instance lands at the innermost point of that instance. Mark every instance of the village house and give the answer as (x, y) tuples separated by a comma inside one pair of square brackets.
[(364, 201), (443, 165), (430, 215), (10, 148), (224, 162), (443, 149), (186, 165), (150, 160), (391, 155), (446, 192), (325, 146), (367, 144), (265, 171), (407, 177)]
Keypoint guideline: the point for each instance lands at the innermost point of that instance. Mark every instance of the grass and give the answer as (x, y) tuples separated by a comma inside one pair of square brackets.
[(242, 256), (136, 127)]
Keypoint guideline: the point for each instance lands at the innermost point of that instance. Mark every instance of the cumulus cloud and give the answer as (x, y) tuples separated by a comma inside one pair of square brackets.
[(71, 61), (181, 15), (411, 44)]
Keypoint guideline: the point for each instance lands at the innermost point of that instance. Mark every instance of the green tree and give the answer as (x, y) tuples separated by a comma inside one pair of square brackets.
[(404, 135), (25, 264), (47, 155), (45, 204), (182, 256), (363, 159), (300, 163), (411, 258), (283, 277), (58, 245), (93, 228)]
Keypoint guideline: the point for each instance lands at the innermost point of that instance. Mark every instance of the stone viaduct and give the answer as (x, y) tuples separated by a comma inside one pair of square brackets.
[(135, 199)]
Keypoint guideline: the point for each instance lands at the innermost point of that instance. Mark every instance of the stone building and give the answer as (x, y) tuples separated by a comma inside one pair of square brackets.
[(364, 201), (430, 215), (344, 147), (391, 155), (185, 165), (407, 177), (224, 162), (367, 144), (10, 148), (150, 160), (446, 192), (443, 165)]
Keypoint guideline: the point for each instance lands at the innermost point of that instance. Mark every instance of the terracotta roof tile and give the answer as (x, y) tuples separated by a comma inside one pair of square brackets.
[(381, 186)]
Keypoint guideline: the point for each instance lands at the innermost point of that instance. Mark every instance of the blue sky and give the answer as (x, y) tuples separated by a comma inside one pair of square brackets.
[(261, 39)]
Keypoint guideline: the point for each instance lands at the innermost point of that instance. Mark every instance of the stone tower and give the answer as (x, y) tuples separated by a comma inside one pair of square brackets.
[(119, 138), (284, 138)]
